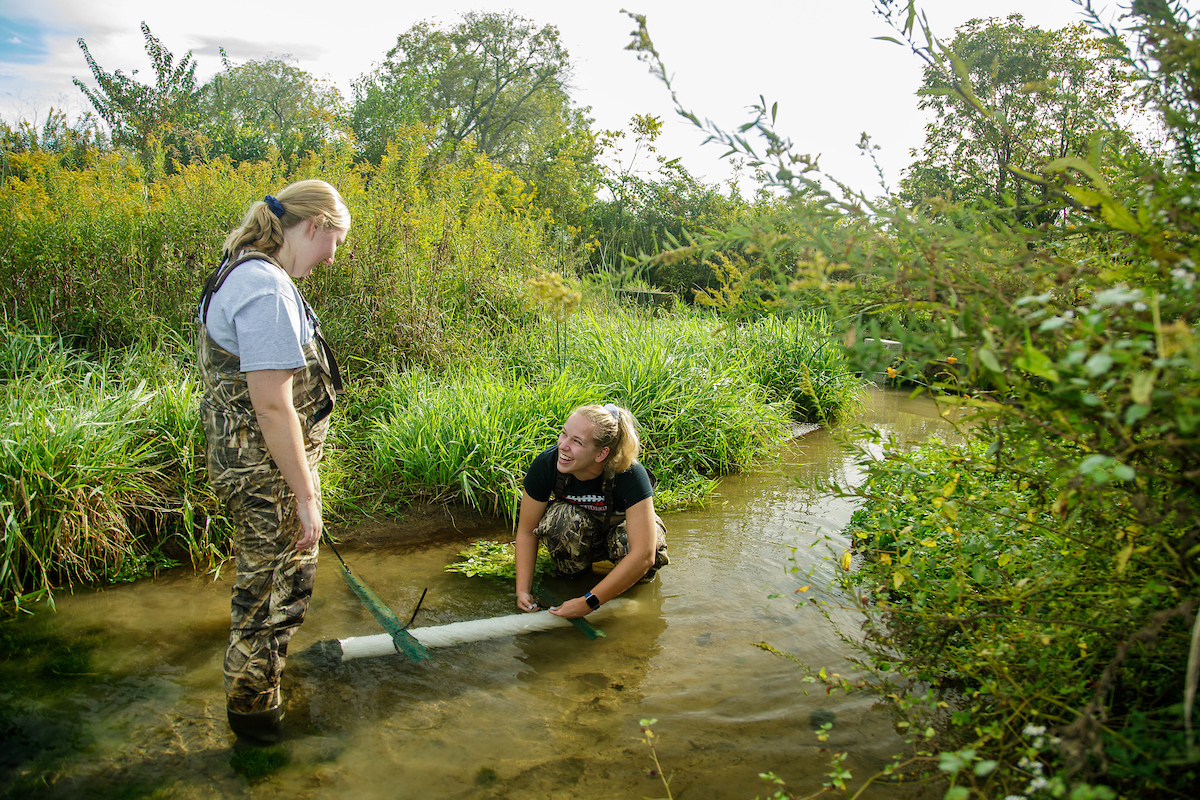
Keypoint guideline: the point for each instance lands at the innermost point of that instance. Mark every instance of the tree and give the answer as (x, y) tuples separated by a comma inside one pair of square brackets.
[(385, 102), (143, 116), (653, 201), (253, 106), (563, 167), (495, 78), (1044, 95)]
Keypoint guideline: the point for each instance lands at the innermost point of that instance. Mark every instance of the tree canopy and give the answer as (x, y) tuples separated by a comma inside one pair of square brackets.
[(1042, 95), (495, 78), (139, 114), (269, 103)]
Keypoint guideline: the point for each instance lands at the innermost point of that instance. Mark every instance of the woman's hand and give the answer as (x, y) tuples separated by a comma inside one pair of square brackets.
[(525, 550), (525, 602), (310, 523), (572, 609)]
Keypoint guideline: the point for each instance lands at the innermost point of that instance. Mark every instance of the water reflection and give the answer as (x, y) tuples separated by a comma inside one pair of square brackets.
[(541, 715)]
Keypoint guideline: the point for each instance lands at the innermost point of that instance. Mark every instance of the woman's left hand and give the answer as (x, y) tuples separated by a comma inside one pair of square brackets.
[(572, 609)]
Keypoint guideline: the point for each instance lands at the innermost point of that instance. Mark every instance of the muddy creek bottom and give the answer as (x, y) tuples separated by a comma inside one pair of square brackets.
[(119, 693)]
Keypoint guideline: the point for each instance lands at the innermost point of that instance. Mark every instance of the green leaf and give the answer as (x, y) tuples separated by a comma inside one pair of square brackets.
[(1098, 364), (1141, 386), (988, 359), (957, 793), (1135, 412), (950, 763), (1085, 197), (986, 767), (1118, 216), (1053, 323), (1035, 362), (1080, 165), (1124, 472), (1123, 558), (964, 74)]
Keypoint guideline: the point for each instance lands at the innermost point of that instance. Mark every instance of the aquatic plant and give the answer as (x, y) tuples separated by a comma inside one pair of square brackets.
[(258, 763), (490, 559), (648, 737)]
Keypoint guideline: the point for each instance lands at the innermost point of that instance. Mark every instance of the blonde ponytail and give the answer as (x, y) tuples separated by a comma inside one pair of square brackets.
[(615, 428), (263, 226)]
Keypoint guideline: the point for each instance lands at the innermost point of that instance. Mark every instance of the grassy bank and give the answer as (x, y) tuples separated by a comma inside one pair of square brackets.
[(101, 465), (103, 474)]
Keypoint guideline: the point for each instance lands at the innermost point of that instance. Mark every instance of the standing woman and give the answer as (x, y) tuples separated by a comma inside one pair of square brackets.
[(588, 499), (269, 387)]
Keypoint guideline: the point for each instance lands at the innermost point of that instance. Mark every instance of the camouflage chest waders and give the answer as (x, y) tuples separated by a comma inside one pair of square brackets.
[(575, 537), (274, 580)]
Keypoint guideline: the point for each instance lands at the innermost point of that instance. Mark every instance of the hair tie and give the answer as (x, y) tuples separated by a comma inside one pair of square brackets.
[(614, 411), (274, 204)]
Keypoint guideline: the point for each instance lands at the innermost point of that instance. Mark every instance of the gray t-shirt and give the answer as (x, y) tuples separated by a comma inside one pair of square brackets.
[(258, 315)]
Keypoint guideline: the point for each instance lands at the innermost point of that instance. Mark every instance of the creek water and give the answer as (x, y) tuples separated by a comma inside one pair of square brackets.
[(128, 701)]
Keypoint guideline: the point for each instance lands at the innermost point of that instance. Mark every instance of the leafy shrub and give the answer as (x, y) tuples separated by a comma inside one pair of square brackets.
[(1031, 598)]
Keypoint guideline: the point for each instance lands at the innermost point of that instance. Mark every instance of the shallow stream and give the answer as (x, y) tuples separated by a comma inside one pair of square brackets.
[(118, 694)]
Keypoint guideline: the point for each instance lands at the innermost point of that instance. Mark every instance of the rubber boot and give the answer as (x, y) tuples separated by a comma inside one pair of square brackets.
[(258, 728)]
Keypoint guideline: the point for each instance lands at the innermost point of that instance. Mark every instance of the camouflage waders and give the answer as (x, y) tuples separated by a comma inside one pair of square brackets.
[(574, 539), (274, 580)]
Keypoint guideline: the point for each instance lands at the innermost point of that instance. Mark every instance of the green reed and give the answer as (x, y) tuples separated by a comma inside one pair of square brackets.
[(98, 465), (697, 391), (800, 363)]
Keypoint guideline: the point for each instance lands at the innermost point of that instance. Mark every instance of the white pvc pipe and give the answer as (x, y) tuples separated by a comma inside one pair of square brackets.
[(472, 630)]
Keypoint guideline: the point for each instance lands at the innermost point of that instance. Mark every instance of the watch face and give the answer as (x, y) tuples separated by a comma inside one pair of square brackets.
[(592, 600)]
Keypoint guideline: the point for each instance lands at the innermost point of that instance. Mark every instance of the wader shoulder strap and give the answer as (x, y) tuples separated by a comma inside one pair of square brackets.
[(216, 280), (610, 494)]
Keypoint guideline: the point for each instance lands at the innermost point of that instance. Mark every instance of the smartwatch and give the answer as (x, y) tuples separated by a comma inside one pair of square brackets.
[(592, 601)]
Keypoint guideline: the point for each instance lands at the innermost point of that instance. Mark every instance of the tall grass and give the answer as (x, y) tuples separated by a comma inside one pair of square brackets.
[(707, 403), (799, 362), (466, 437), (99, 467)]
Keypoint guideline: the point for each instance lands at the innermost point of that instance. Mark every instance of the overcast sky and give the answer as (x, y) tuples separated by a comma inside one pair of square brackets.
[(819, 59)]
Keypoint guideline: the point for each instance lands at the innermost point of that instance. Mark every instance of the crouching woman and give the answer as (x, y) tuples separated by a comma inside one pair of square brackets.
[(588, 499)]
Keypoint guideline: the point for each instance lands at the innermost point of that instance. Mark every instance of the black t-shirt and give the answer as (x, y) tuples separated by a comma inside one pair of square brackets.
[(629, 488)]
